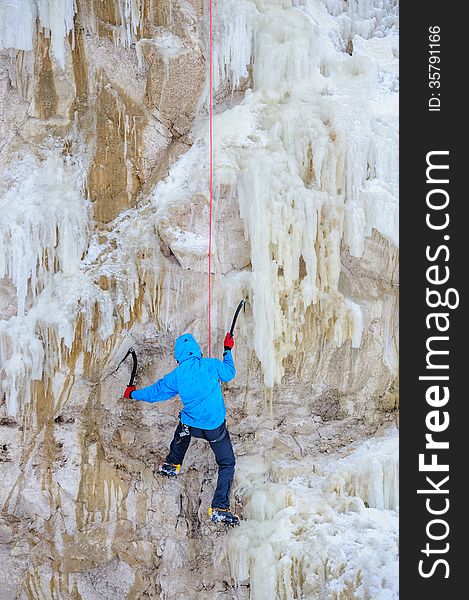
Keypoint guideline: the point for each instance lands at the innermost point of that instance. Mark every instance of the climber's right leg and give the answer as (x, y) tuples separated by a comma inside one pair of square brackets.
[(177, 451)]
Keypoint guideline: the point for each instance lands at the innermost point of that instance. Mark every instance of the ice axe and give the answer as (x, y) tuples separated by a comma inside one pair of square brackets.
[(131, 352), (235, 318)]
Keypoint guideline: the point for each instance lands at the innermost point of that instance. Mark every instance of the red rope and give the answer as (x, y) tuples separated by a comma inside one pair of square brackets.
[(210, 180)]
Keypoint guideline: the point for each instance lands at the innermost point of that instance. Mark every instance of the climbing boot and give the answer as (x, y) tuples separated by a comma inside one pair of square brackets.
[(223, 515), (169, 469)]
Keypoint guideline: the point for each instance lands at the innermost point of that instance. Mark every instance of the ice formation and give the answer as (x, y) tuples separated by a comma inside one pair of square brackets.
[(330, 532), (43, 226)]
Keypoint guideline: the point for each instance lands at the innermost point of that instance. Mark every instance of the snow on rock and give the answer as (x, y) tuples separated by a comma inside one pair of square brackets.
[(167, 43)]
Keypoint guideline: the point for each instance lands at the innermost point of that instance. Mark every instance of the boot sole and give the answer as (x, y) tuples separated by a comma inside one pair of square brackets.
[(227, 523)]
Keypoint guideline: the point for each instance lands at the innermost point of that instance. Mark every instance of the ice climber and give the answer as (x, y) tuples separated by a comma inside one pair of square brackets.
[(197, 382)]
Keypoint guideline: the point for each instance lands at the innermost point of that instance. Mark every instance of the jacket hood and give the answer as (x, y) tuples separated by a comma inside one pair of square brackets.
[(186, 347)]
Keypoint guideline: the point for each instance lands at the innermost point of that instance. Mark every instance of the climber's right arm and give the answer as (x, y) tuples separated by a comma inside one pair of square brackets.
[(226, 369), (164, 389)]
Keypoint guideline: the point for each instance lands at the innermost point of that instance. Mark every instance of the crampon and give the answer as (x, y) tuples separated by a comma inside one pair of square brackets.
[(169, 470)]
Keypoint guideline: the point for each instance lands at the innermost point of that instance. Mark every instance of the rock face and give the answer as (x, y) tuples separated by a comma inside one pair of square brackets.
[(103, 244)]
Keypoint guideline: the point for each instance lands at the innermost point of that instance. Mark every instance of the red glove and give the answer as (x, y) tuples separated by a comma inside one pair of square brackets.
[(229, 342), (128, 390)]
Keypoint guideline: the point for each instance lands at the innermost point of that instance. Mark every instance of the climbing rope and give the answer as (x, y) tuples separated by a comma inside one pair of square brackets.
[(209, 315)]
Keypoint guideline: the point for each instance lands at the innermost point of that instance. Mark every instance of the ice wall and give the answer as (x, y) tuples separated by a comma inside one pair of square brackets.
[(103, 243)]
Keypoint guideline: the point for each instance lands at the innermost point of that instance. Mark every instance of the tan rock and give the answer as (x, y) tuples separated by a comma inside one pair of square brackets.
[(175, 80)]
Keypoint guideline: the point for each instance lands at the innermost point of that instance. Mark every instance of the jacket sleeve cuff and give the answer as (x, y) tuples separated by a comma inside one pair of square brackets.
[(134, 394)]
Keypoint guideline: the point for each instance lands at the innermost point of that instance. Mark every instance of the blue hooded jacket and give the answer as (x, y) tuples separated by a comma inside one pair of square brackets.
[(197, 381)]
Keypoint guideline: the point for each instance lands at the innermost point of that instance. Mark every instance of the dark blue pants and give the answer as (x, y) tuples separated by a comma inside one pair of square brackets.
[(220, 443)]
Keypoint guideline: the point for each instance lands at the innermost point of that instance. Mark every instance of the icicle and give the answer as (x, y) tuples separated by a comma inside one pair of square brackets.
[(57, 17), (371, 472), (18, 23), (365, 17), (233, 40), (130, 21)]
